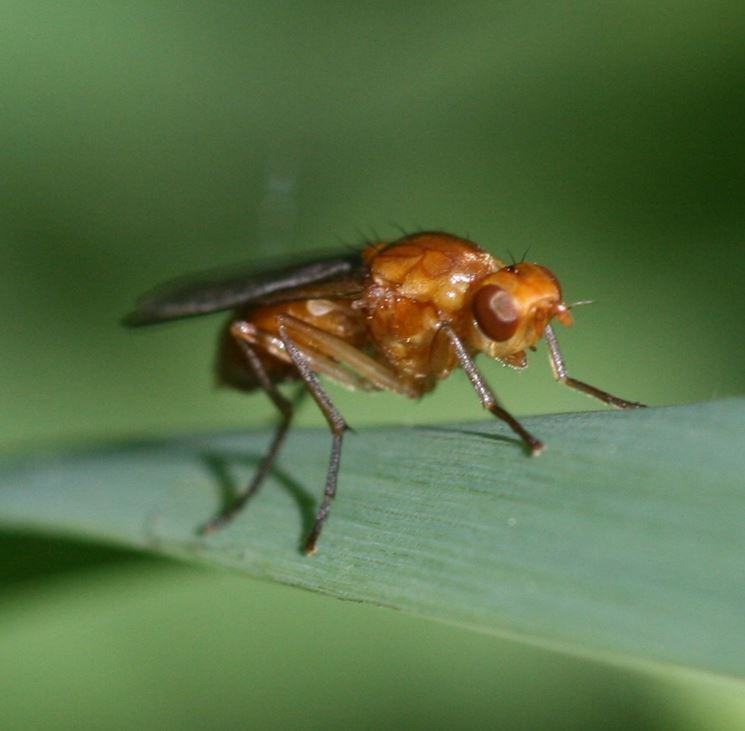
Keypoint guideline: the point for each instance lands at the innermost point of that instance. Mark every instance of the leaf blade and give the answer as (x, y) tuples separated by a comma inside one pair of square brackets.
[(623, 540)]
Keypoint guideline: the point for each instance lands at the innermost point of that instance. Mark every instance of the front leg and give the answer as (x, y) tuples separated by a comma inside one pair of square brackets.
[(558, 366), (486, 395)]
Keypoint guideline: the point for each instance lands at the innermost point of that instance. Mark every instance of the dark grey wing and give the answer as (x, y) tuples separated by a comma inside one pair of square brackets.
[(188, 298)]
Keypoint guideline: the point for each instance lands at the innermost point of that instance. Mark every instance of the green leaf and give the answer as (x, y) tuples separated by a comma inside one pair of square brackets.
[(624, 540)]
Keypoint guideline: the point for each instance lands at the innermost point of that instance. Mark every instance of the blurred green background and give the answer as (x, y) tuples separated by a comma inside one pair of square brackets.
[(142, 140)]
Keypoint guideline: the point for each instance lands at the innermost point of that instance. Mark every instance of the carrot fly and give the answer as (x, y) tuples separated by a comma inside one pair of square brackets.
[(397, 316)]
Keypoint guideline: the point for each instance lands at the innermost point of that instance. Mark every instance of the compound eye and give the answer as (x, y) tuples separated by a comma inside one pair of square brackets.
[(495, 312)]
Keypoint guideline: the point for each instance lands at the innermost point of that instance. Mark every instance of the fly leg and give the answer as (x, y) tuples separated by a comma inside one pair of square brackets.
[(558, 366), (486, 395), (284, 406), (336, 423), (361, 372)]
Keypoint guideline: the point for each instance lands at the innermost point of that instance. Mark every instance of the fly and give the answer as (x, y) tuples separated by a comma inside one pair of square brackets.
[(398, 316)]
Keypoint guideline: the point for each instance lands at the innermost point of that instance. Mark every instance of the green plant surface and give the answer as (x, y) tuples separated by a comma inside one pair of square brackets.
[(623, 540)]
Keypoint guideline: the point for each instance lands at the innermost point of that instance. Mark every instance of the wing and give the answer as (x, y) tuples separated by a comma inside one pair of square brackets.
[(338, 275)]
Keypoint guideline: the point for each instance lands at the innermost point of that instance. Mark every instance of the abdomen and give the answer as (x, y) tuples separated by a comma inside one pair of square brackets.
[(336, 317)]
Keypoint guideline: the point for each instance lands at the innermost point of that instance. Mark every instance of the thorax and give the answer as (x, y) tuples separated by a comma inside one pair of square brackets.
[(414, 286)]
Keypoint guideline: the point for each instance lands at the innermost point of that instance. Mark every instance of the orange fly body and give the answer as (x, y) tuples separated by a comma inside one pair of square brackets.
[(398, 316)]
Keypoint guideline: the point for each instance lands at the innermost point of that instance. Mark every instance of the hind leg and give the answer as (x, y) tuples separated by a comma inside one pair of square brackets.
[(285, 408)]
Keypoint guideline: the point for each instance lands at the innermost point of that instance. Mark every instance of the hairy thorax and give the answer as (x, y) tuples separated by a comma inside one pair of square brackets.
[(415, 286)]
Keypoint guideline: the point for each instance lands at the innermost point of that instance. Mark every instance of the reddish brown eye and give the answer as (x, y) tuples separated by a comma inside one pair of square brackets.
[(495, 312)]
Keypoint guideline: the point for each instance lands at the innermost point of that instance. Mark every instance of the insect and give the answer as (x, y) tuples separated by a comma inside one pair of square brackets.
[(397, 316)]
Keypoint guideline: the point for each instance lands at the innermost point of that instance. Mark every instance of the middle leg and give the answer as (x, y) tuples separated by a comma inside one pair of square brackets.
[(336, 423)]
